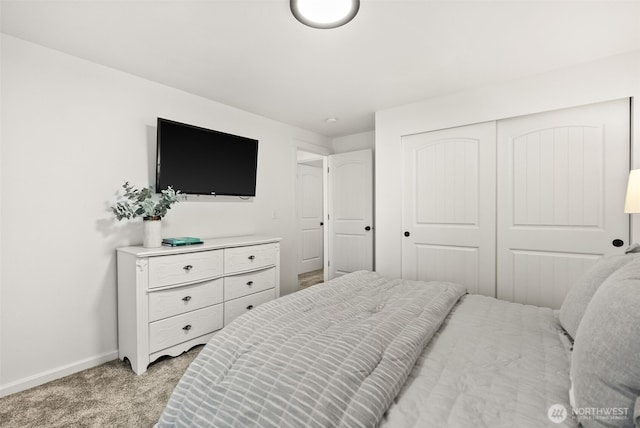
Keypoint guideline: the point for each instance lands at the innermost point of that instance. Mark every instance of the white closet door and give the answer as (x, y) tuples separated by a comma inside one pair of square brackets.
[(449, 201), (561, 187), (310, 212), (350, 212)]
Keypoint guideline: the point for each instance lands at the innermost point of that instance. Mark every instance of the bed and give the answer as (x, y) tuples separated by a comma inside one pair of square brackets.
[(366, 351)]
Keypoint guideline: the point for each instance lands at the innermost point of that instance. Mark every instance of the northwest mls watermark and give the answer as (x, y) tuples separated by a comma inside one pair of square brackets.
[(557, 413)]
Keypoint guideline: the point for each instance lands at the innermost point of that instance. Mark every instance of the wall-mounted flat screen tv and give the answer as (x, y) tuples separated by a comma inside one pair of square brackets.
[(202, 161)]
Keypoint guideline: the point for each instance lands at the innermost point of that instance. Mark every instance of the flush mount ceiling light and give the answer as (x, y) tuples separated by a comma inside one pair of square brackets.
[(324, 13)]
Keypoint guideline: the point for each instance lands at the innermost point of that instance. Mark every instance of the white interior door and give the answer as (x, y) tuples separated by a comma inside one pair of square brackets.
[(311, 217), (561, 188), (350, 212), (449, 200)]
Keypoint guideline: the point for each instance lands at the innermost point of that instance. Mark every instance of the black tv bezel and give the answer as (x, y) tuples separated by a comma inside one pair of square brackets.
[(213, 131)]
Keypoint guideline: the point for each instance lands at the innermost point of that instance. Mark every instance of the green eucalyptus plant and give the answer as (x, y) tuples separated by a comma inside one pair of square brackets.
[(144, 202)]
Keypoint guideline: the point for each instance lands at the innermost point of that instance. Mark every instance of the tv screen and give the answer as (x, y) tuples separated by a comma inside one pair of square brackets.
[(202, 161)]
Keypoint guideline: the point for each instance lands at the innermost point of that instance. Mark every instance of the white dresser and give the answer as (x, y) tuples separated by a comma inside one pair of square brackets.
[(173, 298)]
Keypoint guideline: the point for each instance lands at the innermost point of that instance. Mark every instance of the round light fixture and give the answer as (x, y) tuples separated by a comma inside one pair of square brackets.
[(324, 13)]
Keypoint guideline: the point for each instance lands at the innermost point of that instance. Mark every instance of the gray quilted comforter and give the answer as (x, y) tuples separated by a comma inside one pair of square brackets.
[(333, 355), (492, 364)]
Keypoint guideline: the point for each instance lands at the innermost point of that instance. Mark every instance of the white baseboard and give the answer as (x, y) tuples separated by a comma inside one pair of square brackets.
[(57, 373)]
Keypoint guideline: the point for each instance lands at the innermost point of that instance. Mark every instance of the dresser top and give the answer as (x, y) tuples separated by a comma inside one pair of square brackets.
[(208, 244)]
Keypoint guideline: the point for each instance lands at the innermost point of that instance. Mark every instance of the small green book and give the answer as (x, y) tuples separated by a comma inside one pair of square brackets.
[(184, 240)]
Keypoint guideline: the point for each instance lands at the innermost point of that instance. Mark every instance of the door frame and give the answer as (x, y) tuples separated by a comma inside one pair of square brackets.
[(314, 154)]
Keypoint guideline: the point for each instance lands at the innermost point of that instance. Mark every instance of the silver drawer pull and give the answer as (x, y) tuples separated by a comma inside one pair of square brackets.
[(250, 283), (186, 298), (187, 267), (252, 257), (249, 307), (187, 327)]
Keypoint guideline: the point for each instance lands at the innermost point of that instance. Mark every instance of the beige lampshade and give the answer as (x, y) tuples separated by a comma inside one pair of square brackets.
[(632, 202)]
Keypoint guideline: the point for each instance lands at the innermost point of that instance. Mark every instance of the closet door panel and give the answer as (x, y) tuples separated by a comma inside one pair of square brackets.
[(449, 206), (561, 186), (448, 263), (540, 278)]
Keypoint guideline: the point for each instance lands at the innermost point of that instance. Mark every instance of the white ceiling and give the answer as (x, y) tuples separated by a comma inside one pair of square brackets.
[(255, 56)]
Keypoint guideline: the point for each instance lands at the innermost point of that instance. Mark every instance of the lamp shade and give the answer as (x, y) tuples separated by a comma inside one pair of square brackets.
[(632, 201)]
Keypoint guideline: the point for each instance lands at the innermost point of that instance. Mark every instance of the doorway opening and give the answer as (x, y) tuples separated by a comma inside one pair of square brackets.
[(311, 208)]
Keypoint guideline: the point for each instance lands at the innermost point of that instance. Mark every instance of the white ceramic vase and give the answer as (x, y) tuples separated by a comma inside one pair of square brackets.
[(152, 232)]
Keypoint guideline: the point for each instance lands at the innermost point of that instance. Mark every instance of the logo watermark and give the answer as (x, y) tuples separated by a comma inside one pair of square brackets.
[(558, 413)]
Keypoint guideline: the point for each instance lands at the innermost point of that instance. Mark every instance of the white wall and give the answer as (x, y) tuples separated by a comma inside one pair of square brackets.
[(351, 143), (303, 156), (1, 209), (611, 78), (72, 132)]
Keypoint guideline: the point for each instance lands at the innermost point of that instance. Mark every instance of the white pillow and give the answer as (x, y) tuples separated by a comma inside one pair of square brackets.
[(605, 363), (579, 295)]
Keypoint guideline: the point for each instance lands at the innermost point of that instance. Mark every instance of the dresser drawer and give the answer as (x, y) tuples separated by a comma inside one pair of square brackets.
[(182, 268), (176, 301), (248, 283), (242, 259), (172, 331), (235, 308)]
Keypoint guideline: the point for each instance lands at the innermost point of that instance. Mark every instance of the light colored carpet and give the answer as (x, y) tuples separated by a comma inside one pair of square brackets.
[(110, 395), (310, 278)]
